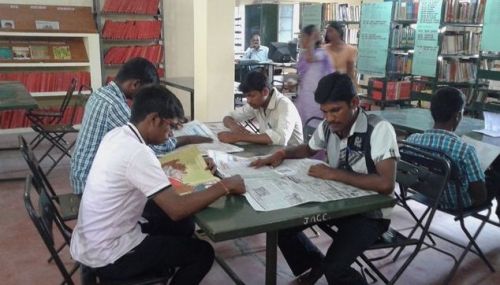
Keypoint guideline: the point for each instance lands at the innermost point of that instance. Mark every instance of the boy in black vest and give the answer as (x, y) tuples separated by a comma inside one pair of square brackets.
[(362, 151)]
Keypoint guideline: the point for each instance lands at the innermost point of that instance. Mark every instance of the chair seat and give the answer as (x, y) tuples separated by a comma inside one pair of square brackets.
[(392, 238), (90, 277), (69, 205), (59, 128), (454, 212), (45, 113)]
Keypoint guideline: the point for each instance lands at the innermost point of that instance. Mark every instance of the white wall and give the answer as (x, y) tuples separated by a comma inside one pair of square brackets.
[(213, 58)]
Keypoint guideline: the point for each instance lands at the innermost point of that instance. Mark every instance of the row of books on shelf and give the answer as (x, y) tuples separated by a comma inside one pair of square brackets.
[(406, 10), (403, 36), (34, 52), (457, 70), (149, 7), (161, 74), (460, 11), (351, 36), (400, 63), (119, 55), (11, 119), (341, 12), (132, 30), (46, 81), (461, 43), (395, 90)]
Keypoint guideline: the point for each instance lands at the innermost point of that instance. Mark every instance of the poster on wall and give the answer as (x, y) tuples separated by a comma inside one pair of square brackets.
[(427, 38), (374, 38), (490, 40)]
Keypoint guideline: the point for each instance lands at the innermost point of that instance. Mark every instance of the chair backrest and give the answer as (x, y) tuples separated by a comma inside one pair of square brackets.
[(44, 218), (310, 126), (67, 97), (423, 172), (40, 180)]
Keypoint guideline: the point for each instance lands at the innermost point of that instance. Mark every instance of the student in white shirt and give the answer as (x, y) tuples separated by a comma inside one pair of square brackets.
[(278, 119), (125, 174)]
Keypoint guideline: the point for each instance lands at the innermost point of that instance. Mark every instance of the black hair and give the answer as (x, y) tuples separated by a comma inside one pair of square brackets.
[(309, 30), (155, 98), (339, 27), (254, 81), (138, 68), (445, 103), (334, 87), (254, 34)]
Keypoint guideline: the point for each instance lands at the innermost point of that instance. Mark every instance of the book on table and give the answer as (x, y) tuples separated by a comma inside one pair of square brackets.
[(187, 170)]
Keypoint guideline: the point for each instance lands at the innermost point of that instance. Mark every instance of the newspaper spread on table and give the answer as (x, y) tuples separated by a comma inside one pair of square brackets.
[(196, 128), (285, 186)]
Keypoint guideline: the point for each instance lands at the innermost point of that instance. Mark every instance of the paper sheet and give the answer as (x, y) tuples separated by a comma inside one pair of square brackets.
[(486, 153), (285, 186), (196, 128), (491, 125)]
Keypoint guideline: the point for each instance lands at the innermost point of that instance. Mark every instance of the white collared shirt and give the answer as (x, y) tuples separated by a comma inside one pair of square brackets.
[(280, 120), (124, 173), (260, 54)]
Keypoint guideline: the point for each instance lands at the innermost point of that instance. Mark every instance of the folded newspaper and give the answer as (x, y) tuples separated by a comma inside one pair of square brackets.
[(196, 128), (186, 169), (285, 186)]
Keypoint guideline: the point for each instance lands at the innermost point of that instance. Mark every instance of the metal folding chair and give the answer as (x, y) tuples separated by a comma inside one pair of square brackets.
[(423, 173), (458, 214), (44, 218), (310, 126), (49, 126)]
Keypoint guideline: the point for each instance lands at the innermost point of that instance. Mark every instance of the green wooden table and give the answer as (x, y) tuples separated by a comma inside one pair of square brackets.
[(232, 217), (14, 95), (417, 120)]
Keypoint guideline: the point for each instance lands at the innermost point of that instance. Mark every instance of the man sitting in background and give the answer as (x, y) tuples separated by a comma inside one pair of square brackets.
[(447, 107), (278, 119), (125, 174), (106, 109), (255, 50)]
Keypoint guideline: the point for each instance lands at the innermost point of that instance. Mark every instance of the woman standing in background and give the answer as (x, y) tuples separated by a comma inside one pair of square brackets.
[(313, 64), (343, 56)]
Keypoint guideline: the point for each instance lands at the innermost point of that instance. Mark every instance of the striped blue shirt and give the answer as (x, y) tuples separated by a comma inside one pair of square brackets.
[(105, 110), (462, 154)]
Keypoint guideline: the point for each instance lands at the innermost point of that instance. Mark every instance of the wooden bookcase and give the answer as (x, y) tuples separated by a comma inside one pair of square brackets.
[(117, 48), (43, 46)]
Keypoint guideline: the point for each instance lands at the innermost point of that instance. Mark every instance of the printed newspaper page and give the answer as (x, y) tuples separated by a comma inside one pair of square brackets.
[(285, 186), (196, 128)]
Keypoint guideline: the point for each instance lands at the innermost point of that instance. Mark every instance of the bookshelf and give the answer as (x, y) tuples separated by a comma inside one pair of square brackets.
[(347, 14), (129, 29), (44, 47), (457, 51), (487, 87), (395, 86)]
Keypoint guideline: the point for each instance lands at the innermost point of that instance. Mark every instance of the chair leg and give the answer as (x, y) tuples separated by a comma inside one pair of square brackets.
[(57, 250), (472, 242)]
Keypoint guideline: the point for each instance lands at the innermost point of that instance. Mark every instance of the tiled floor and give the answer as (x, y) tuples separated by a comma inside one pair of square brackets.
[(23, 257)]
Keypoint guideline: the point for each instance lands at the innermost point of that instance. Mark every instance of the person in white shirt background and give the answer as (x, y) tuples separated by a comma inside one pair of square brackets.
[(256, 50)]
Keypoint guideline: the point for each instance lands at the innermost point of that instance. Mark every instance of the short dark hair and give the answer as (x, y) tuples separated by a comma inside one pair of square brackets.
[(254, 81), (334, 87), (254, 34), (155, 98), (339, 27), (309, 30), (138, 68), (445, 103)]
